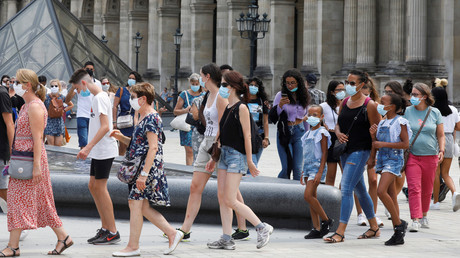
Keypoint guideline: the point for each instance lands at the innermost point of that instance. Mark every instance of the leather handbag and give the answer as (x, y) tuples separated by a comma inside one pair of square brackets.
[(21, 163), (125, 121), (130, 169), (407, 151), (179, 121)]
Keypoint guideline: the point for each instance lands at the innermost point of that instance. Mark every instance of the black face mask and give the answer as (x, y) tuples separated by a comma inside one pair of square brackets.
[(90, 72)]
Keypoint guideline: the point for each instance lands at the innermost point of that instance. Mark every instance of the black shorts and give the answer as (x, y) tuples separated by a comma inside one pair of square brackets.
[(330, 157), (100, 168)]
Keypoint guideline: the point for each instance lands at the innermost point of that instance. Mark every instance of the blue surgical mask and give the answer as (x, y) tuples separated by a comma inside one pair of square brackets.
[(202, 83), (131, 82), (253, 89), (351, 90), (340, 95), (415, 101), (294, 90), (85, 93), (195, 88), (224, 92), (381, 109), (313, 121)]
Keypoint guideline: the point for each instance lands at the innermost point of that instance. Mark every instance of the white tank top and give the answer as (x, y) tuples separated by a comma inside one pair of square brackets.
[(212, 118)]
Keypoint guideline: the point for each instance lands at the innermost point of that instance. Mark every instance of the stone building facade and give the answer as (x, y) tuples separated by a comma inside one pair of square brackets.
[(391, 39)]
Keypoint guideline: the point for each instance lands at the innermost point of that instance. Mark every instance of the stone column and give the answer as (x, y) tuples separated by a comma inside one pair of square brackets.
[(366, 42), (310, 37), (97, 23), (12, 8), (124, 49), (152, 73), (263, 69), (350, 33), (168, 13), (417, 34), (138, 22), (186, 43), (111, 25), (202, 14), (281, 39), (397, 23)]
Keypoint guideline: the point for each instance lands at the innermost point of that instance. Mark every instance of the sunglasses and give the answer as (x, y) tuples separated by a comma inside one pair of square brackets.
[(54, 86), (105, 83), (6, 81)]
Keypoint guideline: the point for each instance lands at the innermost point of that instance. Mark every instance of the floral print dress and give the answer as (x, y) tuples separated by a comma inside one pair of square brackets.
[(156, 191)]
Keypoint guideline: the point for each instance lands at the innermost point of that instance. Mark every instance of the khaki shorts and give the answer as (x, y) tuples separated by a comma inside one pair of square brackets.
[(203, 156)]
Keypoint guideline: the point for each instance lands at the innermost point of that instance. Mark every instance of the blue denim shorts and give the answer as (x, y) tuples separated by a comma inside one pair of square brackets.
[(391, 162), (82, 131), (233, 161)]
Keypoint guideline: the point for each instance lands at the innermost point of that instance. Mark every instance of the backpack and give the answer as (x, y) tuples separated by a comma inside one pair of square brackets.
[(256, 141), (56, 108)]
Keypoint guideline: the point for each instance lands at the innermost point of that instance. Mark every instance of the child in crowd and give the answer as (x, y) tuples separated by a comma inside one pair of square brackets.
[(390, 137), (315, 145)]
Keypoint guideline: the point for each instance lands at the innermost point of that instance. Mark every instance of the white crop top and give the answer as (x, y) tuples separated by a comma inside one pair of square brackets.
[(212, 118)]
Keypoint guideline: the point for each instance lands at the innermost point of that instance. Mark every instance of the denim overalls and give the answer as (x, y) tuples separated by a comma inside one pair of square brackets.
[(311, 163), (388, 159)]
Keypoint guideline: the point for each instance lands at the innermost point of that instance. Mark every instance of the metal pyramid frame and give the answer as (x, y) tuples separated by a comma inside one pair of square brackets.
[(47, 38)]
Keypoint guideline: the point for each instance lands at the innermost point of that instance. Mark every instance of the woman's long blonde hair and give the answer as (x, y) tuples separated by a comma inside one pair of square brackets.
[(29, 76)]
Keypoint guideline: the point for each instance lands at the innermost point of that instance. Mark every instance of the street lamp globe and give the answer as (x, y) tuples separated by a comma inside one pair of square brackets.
[(177, 37)]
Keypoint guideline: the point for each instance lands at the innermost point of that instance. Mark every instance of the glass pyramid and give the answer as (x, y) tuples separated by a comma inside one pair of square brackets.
[(47, 38)]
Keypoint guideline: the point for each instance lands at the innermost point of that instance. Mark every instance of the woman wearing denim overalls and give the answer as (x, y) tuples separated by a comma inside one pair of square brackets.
[(292, 99), (359, 144), (390, 138)]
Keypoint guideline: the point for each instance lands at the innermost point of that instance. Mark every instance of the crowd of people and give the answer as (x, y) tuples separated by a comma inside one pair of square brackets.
[(406, 134)]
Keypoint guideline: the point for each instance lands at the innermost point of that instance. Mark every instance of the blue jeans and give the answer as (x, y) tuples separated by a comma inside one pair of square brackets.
[(295, 145), (232, 161), (353, 180), (82, 131)]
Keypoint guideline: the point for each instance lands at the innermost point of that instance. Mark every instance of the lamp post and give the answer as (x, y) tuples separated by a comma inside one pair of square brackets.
[(137, 45), (177, 41), (252, 25), (103, 40)]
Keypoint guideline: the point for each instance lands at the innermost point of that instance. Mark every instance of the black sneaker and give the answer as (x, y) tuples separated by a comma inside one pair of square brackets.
[(186, 237), (405, 191), (107, 238), (326, 227), (443, 190), (313, 234), (99, 233), (240, 234)]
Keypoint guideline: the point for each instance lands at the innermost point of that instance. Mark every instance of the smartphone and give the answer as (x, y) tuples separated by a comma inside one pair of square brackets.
[(284, 95)]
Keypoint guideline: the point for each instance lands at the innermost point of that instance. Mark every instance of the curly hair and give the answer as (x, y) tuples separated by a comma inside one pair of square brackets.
[(302, 95), (260, 94)]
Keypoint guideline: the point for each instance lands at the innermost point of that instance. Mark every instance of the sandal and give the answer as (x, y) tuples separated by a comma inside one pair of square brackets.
[(331, 239), (14, 250), (56, 252), (364, 236)]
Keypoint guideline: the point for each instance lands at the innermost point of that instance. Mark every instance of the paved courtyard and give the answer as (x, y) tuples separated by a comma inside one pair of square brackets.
[(441, 240)]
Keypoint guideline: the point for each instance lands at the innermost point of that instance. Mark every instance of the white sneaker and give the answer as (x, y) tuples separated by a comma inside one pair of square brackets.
[(424, 222), (362, 221), (24, 234), (456, 201), (263, 235), (387, 213), (3, 205), (415, 226), (379, 222), (127, 254), (435, 206)]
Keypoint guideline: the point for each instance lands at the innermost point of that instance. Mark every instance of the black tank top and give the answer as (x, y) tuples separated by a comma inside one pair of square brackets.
[(359, 137), (230, 132)]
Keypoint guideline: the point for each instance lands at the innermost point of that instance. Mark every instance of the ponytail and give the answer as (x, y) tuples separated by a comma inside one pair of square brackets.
[(41, 92)]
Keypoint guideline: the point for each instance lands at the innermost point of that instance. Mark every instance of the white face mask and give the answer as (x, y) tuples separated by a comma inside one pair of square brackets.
[(135, 103), (19, 90), (54, 90)]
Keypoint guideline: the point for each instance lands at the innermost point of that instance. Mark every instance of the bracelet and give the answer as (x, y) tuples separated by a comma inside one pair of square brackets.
[(442, 151)]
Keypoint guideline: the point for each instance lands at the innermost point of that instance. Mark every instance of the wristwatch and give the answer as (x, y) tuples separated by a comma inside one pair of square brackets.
[(143, 173)]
